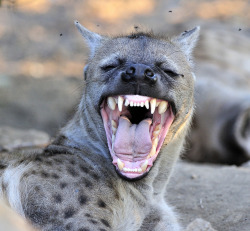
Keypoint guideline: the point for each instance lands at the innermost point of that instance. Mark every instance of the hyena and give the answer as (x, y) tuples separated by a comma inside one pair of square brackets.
[(109, 166)]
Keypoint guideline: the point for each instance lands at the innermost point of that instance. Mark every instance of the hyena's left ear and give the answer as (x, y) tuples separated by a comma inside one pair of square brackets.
[(93, 40), (187, 41)]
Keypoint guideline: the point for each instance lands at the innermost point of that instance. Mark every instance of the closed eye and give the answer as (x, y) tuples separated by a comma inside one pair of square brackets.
[(112, 65), (170, 73), (109, 67)]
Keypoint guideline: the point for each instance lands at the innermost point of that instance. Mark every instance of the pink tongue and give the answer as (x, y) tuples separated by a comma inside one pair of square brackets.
[(133, 139)]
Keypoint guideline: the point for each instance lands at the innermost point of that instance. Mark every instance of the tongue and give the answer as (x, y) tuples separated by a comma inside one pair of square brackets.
[(133, 139)]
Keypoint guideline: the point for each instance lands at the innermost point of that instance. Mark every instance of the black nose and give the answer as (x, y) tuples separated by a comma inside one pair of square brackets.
[(139, 72)]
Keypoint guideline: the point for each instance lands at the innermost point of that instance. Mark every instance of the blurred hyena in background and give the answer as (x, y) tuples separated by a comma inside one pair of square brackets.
[(221, 126)]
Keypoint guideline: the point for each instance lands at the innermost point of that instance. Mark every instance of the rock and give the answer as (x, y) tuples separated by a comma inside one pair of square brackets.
[(218, 194), (11, 138), (199, 225)]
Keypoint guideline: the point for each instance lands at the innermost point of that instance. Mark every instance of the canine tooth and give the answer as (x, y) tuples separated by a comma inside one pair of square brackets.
[(120, 103), (158, 127), (139, 170), (144, 165), (153, 105), (147, 104), (126, 102), (162, 107), (111, 103), (153, 151), (156, 133), (114, 130), (114, 124), (131, 104), (155, 141), (120, 164), (113, 138), (142, 104)]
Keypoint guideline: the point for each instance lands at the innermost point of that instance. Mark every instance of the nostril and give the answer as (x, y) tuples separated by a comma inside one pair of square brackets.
[(148, 73), (125, 77), (130, 71)]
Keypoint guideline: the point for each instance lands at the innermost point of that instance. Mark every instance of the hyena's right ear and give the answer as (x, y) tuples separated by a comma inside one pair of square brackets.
[(93, 40)]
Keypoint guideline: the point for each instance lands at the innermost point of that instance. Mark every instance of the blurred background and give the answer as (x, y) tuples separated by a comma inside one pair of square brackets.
[(42, 55)]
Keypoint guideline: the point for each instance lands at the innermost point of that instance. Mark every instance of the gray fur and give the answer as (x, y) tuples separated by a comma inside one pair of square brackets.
[(73, 184)]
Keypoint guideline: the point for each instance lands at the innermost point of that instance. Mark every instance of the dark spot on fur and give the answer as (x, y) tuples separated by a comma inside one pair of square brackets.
[(49, 163), (61, 34), (72, 162), (20, 162), (170, 11), (86, 182), (72, 171), (60, 140), (69, 212), (38, 215), (4, 187), (102, 229), (105, 222), (87, 215), (93, 221), (38, 159), (239, 29), (58, 161), (55, 176), (33, 172), (101, 203), (117, 195), (57, 198), (84, 169), (82, 199), (2, 166), (140, 35), (37, 188), (44, 174), (83, 229), (25, 175), (63, 185), (95, 176), (69, 226)]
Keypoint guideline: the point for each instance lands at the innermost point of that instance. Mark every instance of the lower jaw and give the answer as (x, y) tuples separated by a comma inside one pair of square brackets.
[(135, 170)]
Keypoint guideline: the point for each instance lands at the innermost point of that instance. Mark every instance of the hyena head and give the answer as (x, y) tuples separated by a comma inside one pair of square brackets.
[(141, 87)]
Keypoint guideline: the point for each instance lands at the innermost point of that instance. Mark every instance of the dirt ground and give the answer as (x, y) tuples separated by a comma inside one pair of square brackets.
[(41, 61)]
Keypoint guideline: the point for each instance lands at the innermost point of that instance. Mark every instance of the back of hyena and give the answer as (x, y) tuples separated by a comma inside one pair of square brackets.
[(82, 181), (221, 128)]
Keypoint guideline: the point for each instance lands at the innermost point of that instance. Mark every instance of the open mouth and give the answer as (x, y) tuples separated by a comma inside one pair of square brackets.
[(136, 127)]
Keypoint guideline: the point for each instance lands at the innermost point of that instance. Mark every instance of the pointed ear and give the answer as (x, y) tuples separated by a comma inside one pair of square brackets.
[(92, 39), (187, 41)]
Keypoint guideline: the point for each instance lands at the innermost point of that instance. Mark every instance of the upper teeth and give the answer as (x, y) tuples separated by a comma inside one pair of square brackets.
[(120, 103), (162, 105), (111, 103), (152, 104)]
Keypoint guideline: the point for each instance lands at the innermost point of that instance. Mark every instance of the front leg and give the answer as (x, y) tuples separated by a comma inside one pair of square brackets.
[(161, 219)]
